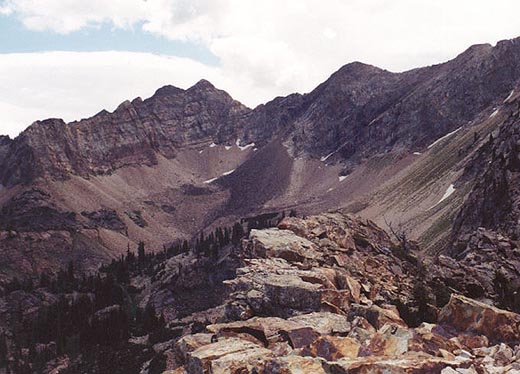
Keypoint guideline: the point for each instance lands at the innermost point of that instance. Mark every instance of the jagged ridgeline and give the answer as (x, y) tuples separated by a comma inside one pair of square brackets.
[(187, 233)]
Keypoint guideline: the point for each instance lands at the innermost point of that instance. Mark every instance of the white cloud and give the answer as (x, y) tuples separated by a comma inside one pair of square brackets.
[(74, 85), (266, 48)]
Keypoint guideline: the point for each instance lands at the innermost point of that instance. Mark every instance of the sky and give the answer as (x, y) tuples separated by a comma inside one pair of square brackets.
[(72, 58)]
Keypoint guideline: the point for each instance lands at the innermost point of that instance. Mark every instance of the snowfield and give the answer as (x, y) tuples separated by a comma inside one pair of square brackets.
[(228, 172), (444, 137), (243, 148), (447, 194), (324, 158), (494, 113)]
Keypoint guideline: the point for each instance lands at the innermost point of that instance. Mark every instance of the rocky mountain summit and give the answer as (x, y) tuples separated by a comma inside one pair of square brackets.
[(131, 135)]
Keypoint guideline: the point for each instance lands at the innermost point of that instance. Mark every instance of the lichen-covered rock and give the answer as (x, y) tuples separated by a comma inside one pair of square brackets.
[(265, 329), (281, 243), (391, 341), (190, 343), (325, 323), (377, 315), (294, 365)]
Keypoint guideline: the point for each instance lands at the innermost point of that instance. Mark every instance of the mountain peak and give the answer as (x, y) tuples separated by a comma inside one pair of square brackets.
[(167, 90), (357, 68), (203, 84), (477, 50)]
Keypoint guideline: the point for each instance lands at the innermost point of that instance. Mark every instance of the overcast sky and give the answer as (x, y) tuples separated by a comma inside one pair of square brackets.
[(72, 58)]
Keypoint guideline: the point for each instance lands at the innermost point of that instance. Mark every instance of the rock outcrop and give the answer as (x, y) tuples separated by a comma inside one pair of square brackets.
[(293, 308)]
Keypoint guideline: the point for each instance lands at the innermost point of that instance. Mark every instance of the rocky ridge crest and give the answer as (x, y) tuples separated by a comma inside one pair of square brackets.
[(319, 295)]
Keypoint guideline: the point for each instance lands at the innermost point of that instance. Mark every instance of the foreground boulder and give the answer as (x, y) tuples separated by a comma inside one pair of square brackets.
[(476, 317)]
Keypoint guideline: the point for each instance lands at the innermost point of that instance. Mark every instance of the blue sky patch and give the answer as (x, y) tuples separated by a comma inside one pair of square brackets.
[(15, 38)]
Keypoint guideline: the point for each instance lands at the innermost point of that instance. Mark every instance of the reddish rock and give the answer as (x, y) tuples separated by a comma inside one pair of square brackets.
[(378, 316), (190, 343), (294, 365), (432, 339), (230, 356), (472, 316), (332, 348), (389, 341), (266, 330), (324, 323), (301, 337), (410, 364)]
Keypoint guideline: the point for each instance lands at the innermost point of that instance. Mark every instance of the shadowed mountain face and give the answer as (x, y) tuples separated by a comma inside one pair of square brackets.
[(493, 203), (163, 168)]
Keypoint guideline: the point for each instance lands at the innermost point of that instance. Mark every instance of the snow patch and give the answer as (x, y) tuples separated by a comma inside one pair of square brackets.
[(444, 137), (447, 194), (510, 96), (330, 189), (494, 113), (417, 153), (212, 145), (342, 177), (255, 149), (228, 172), (324, 158), (201, 152), (210, 180), (243, 148), (228, 147)]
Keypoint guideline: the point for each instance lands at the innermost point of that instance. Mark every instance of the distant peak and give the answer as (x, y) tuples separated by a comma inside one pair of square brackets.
[(354, 71), (4, 139), (475, 51), (168, 90), (203, 84), (124, 105), (357, 67), (49, 122)]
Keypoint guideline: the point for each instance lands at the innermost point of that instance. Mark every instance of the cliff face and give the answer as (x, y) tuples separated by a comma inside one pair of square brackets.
[(494, 201), (5, 141)]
